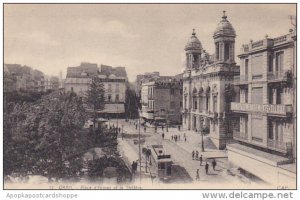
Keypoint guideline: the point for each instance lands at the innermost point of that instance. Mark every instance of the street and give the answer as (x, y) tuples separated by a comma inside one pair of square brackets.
[(184, 167)]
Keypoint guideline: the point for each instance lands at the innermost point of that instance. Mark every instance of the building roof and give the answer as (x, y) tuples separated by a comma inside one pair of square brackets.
[(224, 28), (89, 70), (193, 43), (117, 71), (85, 69)]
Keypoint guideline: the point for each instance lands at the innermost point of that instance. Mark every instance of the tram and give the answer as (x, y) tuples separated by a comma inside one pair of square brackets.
[(161, 161)]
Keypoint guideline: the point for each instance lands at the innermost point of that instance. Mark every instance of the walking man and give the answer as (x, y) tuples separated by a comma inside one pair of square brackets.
[(144, 128), (197, 154), (214, 164), (184, 139), (163, 136), (206, 168), (193, 154), (172, 137), (201, 159)]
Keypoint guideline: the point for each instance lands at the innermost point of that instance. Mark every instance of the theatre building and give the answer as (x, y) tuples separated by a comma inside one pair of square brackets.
[(264, 120), (207, 84)]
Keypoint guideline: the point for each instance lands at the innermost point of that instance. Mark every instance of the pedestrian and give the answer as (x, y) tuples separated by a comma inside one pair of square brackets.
[(179, 137), (184, 139), (163, 136), (172, 137), (175, 138), (201, 159), (179, 127), (144, 128), (197, 175), (155, 129), (119, 130), (193, 154), (206, 168), (214, 164), (197, 154), (136, 126)]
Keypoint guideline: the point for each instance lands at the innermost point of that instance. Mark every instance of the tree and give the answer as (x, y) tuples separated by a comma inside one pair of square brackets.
[(40, 136), (131, 103), (95, 97)]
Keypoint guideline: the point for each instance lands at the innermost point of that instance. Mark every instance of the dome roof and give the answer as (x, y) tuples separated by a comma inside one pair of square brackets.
[(224, 28), (193, 43)]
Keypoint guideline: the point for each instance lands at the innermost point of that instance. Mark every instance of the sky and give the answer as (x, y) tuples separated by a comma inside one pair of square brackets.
[(141, 37)]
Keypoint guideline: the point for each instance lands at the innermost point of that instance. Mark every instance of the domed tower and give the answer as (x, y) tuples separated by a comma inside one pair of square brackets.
[(193, 50), (224, 37)]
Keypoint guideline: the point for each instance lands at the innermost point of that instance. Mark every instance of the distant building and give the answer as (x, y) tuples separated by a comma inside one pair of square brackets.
[(79, 78), (51, 83), (25, 77), (207, 84), (162, 101), (266, 111), (147, 77)]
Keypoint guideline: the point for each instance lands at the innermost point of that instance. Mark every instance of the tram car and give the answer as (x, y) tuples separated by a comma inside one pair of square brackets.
[(161, 161)]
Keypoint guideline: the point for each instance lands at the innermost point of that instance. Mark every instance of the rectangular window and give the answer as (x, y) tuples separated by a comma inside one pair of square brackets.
[(117, 87), (117, 98), (172, 91), (256, 66), (257, 126), (279, 62), (246, 96), (109, 98), (270, 126), (246, 67), (257, 95), (195, 103), (270, 63)]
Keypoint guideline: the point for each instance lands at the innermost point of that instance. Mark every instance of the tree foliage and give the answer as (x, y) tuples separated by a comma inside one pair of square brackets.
[(95, 97), (40, 136), (131, 104)]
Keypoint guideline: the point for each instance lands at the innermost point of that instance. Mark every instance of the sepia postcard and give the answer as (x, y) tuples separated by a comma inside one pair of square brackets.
[(149, 96)]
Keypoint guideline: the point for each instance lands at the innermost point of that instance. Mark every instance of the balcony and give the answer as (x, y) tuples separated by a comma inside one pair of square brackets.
[(240, 136), (280, 77), (240, 80), (272, 109)]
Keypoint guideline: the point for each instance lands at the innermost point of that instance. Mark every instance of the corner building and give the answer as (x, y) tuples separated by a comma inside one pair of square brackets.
[(207, 84), (264, 126)]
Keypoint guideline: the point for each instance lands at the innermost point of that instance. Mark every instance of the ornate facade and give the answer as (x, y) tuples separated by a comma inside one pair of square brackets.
[(207, 84)]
